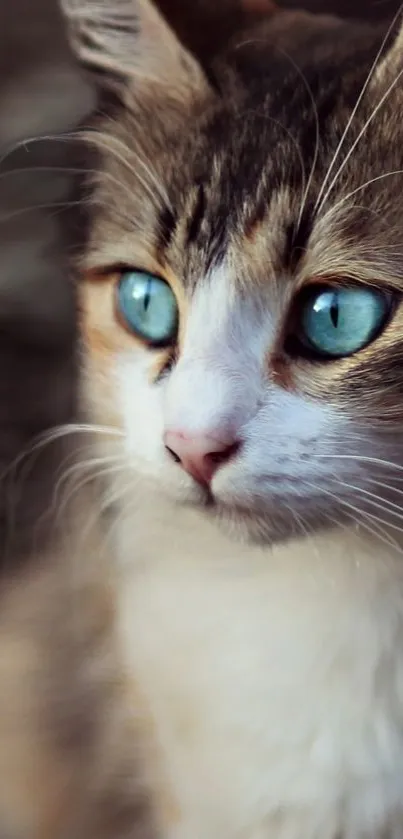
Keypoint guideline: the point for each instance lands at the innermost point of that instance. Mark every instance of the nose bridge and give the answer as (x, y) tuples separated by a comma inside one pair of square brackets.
[(217, 381), (204, 395)]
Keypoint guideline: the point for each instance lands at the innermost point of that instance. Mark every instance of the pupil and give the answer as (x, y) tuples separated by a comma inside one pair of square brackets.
[(147, 296), (334, 312)]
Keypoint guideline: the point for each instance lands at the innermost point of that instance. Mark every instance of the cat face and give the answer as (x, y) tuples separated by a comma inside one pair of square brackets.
[(241, 302)]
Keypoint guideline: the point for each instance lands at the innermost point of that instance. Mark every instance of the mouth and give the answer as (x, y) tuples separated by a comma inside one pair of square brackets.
[(212, 504), (242, 522), (234, 512)]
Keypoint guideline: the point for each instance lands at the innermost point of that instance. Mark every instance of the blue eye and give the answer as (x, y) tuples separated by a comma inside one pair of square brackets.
[(337, 321), (148, 306)]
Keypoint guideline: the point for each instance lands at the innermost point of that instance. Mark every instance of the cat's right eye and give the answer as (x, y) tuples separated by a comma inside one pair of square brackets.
[(147, 306)]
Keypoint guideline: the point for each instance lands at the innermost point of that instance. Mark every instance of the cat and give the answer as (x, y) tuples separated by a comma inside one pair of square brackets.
[(241, 320)]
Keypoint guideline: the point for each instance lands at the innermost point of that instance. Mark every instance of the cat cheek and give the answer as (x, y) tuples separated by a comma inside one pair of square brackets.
[(141, 410), (140, 401), (284, 444), (98, 387)]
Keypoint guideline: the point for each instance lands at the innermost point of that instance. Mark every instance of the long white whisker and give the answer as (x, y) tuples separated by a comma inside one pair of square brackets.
[(81, 467), (376, 530), (357, 140), (390, 487), (90, 474), (24, 460), (51, 205), (361, 458), (377, 500), (97, 140), (109, 500), (377, 479), (355, 109), (363, 516), (345, 198), (23, 144), (78, 428), (134, 151), (57, 433)]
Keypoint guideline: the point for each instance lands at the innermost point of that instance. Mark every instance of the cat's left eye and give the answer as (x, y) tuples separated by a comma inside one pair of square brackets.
[(337, 321), (148, 307)]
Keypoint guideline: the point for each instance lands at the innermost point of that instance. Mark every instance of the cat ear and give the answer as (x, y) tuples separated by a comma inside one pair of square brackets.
[(128, 43), (391, 64)]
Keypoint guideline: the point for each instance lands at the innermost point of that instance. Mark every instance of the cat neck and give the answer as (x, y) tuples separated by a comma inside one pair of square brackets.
[(156, 530), (225, 638)]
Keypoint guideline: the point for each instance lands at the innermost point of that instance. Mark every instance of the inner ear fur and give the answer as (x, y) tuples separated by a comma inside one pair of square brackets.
[(130, 47)]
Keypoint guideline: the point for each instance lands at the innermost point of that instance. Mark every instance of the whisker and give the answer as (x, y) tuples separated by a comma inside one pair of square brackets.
[(358, 138), (92, 475), (362, 458), (377, 531), (351, 194), (370, 75), (364, 516), (96, 138), (79, 428), (48, 437), (79, 466), (109, 500), (377, 500), (395, 490), (51, 205), (140, 160), (24, 144), (23, 170)]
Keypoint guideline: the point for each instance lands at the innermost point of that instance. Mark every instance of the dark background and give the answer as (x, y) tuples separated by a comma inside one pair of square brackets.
[(42, 92), (366, 9)]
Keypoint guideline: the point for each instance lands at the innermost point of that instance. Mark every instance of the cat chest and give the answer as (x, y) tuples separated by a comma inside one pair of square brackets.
[(264, 700)]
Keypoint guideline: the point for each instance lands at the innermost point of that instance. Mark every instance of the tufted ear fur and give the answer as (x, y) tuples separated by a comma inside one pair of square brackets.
[(128, 45), (390, 66)]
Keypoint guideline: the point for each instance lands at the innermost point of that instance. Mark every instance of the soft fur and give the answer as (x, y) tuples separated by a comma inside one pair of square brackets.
[(260, 626)]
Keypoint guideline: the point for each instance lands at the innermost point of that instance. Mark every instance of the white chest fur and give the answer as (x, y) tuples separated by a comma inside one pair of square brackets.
[(274, 679)]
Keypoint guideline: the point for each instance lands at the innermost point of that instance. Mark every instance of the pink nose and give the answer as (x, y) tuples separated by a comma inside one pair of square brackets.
[(200, 455)]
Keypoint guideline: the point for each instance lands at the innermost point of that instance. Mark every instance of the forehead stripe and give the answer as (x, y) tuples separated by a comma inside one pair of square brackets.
[(197, 216)]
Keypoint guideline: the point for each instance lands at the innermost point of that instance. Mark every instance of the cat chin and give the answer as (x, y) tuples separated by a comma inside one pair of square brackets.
[(271, 521), (243, 518), (247, 525), (244, 523)]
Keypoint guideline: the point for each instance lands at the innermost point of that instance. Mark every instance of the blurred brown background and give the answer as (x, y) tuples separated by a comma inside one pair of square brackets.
[(42, 92)]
